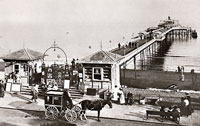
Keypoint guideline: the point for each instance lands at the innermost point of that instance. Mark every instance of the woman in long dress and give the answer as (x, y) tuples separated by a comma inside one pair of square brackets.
[(115, 94), (122, 98)]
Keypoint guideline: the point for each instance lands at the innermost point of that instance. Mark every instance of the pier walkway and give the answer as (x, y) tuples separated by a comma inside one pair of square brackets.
[(130, 52)]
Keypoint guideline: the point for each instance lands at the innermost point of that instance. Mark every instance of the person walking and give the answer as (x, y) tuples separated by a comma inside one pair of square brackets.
[(34, 92)]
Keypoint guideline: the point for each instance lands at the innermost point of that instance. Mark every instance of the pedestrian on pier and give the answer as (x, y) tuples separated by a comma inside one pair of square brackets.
[(119, 45)]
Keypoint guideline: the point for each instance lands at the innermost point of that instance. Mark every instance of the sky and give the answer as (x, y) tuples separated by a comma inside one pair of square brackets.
[(77, 24)]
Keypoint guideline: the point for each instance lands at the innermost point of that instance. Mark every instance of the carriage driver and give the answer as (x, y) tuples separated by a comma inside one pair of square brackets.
[(67, 101)]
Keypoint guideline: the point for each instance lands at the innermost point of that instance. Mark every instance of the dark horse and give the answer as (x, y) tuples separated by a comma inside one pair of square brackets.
[(95, 105)]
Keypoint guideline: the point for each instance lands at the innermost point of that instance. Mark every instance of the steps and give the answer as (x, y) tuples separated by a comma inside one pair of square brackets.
[(75, 94)]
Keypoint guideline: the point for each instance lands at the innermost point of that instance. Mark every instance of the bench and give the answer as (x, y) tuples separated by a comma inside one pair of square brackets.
[(164, 114)]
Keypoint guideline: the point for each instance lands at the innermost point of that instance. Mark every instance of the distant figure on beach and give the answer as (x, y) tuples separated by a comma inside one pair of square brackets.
[(182, 77), (182, 69), (119, 45), (179, 69)]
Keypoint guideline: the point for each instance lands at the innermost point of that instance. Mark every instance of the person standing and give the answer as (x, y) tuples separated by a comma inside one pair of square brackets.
[(115, 94), (129, 98), (119, 45), (182, 69), (179, 69), (2, 88), (121, 98)]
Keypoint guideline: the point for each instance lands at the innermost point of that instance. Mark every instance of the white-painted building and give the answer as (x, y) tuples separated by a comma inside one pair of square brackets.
[(20, 66)]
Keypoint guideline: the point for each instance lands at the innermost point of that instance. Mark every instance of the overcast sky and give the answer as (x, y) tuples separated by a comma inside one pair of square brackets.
[(76, 24)]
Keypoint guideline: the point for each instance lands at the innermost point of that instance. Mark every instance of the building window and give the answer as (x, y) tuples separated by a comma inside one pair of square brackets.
[(107, 74), (16, 68), (97, 74), (88, 74)]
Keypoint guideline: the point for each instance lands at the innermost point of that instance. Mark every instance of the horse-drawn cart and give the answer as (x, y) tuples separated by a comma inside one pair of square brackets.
[(54, 107)]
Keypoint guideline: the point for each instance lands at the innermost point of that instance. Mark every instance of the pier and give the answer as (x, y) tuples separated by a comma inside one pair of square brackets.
[(106, 69), (148, 45)]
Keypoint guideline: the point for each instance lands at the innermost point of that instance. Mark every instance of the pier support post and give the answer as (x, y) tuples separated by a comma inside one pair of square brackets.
[(134, 60)]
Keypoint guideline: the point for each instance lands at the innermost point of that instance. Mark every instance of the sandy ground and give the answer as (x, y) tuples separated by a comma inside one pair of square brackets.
[(159, 79)]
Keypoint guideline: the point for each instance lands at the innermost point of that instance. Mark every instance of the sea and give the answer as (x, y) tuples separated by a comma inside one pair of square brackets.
[(182, 51)]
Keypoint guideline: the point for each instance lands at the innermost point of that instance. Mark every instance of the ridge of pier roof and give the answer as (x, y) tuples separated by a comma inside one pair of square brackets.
[(23, 55), (103, 57)]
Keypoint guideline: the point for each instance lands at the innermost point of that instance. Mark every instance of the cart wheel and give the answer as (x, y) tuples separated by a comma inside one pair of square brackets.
[(77, 109), (51, 112), (70, 115)]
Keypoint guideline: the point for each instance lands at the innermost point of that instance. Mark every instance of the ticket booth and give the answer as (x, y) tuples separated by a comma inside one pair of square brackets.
[(19, 68), (100, 71)]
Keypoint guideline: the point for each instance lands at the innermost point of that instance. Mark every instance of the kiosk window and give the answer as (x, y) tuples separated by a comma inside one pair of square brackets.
[(97, 74)]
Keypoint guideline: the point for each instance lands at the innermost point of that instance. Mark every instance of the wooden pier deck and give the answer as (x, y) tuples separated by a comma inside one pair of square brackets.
[(129, 52)]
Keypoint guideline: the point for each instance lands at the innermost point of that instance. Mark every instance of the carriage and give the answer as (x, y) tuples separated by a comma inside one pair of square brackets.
[(54, 107)]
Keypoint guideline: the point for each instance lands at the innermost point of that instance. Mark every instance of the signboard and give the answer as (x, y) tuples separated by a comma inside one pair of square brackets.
[(66, 84), (24, 81), (8, 86), (80, 75), (16, 87)]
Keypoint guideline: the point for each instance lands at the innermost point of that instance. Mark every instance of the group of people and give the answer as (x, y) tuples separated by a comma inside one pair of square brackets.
[(180, 69), (15, 76), (173, 112), (118, 95)]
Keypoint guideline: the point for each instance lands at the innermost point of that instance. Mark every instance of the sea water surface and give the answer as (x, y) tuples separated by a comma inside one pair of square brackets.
[(181, 51)]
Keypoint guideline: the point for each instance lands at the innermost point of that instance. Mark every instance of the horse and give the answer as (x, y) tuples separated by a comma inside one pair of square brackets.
[(95, 105)]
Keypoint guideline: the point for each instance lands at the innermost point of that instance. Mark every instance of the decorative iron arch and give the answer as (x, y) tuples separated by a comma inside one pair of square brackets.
[(55, 46)]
